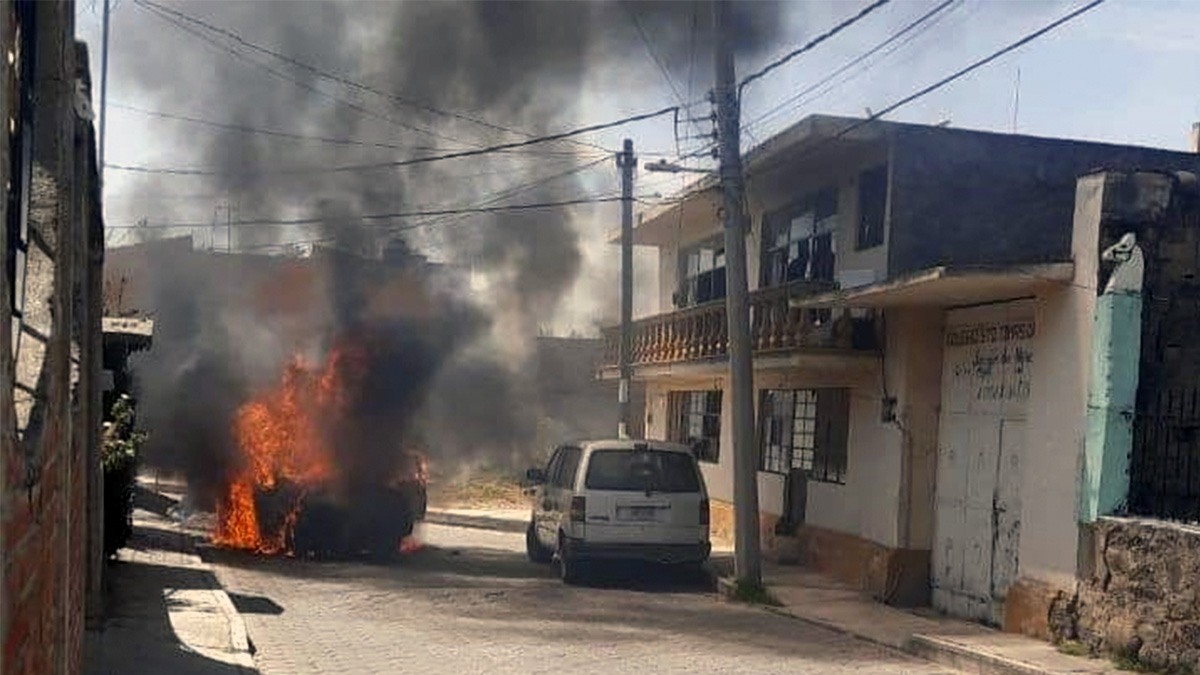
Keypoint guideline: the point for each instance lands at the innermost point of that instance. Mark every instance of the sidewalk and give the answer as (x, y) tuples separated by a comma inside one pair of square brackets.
[(504, 520), (958, 644), (806, 595), (165, 611)]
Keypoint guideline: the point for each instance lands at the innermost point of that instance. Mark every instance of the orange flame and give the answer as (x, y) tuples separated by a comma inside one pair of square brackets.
[(280, 442)]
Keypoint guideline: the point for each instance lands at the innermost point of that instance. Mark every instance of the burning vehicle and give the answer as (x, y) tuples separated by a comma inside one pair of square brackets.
[(298, 489)]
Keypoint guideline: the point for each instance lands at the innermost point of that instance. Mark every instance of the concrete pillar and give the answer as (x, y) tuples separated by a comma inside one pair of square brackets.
[(1112, 395)]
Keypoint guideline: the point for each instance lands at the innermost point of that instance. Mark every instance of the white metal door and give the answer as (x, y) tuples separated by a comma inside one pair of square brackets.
[(988, 357)]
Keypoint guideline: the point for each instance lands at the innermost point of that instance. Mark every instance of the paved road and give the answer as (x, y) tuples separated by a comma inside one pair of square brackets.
[(469, 602)]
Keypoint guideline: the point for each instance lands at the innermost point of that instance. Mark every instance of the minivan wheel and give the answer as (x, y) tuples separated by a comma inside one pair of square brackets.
[(569, 568), (533, 548)]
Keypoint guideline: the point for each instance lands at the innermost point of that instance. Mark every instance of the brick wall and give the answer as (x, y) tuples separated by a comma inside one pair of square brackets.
[(50, 428)]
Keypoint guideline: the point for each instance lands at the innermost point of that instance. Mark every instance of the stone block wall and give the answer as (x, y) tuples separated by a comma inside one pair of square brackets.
[(1139, 596)]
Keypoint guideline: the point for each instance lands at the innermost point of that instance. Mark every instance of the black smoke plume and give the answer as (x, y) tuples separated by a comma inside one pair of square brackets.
[(454, 375)]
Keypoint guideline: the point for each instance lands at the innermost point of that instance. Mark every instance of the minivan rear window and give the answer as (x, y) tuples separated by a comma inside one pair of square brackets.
[(642, 471)]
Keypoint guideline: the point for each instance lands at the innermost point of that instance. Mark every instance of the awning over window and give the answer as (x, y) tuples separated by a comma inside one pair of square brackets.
[(948, 286)]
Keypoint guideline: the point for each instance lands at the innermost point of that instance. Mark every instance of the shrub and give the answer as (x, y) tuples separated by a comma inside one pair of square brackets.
[(119, 459)]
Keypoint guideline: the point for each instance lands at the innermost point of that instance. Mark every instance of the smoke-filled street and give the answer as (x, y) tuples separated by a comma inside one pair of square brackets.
[(471, 602)]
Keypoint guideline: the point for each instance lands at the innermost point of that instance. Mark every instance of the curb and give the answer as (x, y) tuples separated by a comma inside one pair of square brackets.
[(950, 654), (438, 517), (239, 638), (935, 650)]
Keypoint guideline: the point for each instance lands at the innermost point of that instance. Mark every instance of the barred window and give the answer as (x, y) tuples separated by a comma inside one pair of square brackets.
[(805, 429), (26, 265), (695, 419)]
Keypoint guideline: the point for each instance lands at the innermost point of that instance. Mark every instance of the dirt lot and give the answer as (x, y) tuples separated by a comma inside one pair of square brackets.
[(477, 492)]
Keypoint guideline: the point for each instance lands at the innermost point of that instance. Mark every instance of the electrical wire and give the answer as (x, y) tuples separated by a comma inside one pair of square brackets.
[(402, 100), (405, 162), (662, 67), (241, 128), (924, 91), (299, 83), (374, 216), (850, 64), (450, 220), (808, 45), (266, 132)]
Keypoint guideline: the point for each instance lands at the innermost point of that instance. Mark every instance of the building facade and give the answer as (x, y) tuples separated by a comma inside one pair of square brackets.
[(51, 540), (922, 302)]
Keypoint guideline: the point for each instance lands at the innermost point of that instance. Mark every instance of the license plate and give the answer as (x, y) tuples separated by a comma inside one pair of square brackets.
[(638, 513)]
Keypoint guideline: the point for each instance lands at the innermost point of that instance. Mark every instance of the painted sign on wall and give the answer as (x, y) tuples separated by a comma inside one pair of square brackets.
[(991, 361)]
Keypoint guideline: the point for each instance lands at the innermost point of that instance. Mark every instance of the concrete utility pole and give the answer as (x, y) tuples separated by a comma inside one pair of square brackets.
[(626, 162), (741, 376)]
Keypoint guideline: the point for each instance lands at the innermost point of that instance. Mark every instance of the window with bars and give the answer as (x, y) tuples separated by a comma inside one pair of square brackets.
[(19, 129), (799, 242), (695, 420), (805, 429)]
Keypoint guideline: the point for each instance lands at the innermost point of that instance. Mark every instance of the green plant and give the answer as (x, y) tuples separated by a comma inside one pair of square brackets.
[(1074, 648), (119, 459), (755, 594), (1132, 663)]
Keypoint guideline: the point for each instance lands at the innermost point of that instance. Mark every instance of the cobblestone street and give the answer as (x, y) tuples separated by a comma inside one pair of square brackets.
[(470, 602)]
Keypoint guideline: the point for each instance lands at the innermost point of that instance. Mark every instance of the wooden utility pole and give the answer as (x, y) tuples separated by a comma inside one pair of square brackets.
[(626, 162), (103, 96), (748, 565)]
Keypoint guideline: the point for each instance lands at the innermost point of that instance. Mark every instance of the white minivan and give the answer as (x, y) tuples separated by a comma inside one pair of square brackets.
[(618, 500)]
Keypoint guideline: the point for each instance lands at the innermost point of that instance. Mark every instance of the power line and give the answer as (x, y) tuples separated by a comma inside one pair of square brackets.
[(284, 76), (376, 216), (339, 78), (811, 43), (305, 137), (408, 162), (853, 62), (266, 132), (450, 220), (947, 80), (662, 67)]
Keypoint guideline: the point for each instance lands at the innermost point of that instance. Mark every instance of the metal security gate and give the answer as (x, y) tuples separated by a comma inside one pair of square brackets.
[(987, 363), (1165, 462)]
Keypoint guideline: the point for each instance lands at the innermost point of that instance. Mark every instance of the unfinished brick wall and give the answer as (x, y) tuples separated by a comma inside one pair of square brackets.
[(47, 444)]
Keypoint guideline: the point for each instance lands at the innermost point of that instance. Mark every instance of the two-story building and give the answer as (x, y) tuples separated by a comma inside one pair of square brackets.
[(919, 395)]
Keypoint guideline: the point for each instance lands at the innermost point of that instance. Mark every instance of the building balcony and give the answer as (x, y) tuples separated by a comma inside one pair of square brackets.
[(701, 333)]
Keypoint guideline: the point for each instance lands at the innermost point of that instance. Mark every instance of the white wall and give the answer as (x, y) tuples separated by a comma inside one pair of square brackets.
[(866, 505), (1058, 398)]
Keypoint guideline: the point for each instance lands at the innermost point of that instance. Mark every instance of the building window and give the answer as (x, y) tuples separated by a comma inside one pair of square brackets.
[(805, 429), (798, 242), (696, 421), (701, 273), (872, 206)]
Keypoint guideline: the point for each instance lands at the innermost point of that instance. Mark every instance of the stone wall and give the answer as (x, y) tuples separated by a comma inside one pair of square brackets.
[(1139, 594)]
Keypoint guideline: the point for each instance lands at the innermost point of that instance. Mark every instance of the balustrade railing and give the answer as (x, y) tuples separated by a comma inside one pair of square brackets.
[(701, 332)]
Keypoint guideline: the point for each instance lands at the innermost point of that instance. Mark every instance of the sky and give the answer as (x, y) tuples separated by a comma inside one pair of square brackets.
[(1125, 72)]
